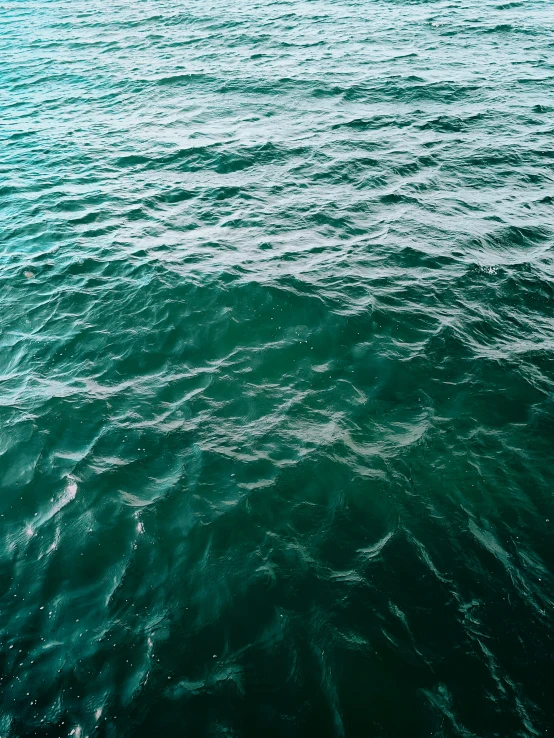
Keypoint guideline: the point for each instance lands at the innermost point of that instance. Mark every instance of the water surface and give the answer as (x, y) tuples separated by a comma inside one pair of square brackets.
[(276, 369)]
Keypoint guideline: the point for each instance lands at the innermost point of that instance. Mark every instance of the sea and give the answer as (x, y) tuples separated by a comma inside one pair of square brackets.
[(276, 368)]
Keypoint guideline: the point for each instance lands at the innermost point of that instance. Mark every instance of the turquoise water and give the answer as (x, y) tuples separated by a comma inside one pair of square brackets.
[(276, 408)]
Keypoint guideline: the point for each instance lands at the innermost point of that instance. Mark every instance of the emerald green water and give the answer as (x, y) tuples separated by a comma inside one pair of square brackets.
[(276, 369)]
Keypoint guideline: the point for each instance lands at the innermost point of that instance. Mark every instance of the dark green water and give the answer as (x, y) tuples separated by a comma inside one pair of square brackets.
[(276, 407)]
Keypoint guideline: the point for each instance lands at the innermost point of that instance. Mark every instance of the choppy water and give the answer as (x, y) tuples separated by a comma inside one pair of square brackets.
[(277, 419)]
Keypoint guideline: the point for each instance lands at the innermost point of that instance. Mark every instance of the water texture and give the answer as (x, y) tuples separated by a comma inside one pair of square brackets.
[(276, 368)]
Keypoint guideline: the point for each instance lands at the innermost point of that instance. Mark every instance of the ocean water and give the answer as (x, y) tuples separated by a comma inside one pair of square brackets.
[(276, 368)]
